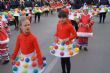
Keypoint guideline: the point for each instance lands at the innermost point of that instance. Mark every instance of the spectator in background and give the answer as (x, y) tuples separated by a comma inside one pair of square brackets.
[(28, 3), (3, 5), (78, 4), (72, 2), (40, 3), (95, 2), (22, 4), (1, 8), (17, 4), (37, 14), (11, 4), (104, 2)]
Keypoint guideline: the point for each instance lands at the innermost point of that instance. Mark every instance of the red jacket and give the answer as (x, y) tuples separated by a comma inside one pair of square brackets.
[(65, 31)]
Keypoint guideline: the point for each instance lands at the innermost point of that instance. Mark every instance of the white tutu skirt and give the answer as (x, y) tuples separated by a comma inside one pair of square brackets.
[(84, 34), (63, 49), (28, 64)]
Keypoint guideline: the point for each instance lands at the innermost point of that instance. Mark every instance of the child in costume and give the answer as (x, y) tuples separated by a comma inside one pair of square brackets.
[(4, 54), (30, 57), (85, 26), (6, 27), (65, 32)]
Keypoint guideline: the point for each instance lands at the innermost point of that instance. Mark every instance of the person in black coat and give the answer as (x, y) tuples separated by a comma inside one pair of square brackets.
[(103, 14), (38, 14)]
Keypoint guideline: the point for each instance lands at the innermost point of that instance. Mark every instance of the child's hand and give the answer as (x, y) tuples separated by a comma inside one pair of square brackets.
[(88, 25), (66, 40), (12, 62), (56, 39), (80, 25)]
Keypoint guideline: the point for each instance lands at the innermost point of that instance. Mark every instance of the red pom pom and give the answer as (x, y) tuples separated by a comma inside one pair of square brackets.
[(56, 47), (62, 53), (34, 64), (67, 43), (77, 45)]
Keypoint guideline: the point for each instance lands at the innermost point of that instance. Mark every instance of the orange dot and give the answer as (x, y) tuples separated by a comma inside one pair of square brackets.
[(33, 58), (17, 63), (71, 52)]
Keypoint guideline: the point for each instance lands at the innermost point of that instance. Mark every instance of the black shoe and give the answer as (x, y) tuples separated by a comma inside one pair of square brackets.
[(85, 49), (38, 21), (6, 62), (99, 22), (80, 47), (103, 21)]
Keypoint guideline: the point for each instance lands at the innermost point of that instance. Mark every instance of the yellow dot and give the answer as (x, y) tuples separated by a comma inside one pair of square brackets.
[(76, 49), (25, 65)]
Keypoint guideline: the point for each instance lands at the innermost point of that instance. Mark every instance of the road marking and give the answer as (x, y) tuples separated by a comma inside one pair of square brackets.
[(51, 65)]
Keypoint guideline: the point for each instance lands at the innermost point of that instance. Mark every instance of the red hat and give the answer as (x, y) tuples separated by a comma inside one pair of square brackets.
[(66, 10)]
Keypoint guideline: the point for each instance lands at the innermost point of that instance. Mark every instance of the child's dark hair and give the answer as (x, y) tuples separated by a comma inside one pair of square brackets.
[(62, 14)]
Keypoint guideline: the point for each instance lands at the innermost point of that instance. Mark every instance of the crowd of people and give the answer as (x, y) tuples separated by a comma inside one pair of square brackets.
[(76, 4)]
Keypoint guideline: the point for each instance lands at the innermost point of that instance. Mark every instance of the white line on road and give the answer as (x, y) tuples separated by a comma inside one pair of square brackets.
[(51, 65)]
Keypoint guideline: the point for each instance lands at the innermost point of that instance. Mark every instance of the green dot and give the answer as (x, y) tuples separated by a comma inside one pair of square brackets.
[(15, 68), (17, 58), (24, 71)]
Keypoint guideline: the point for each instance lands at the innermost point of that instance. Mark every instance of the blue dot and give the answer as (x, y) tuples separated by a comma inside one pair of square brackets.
[(62, 43), (6, 16), (27, 60), (53, 51), (35, 70)]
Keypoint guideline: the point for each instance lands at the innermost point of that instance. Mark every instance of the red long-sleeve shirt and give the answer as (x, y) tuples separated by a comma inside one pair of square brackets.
[(65, 30), (27, 44)]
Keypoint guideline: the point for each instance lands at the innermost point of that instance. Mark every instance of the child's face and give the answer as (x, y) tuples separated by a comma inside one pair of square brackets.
[(26, 27), (63, 20), (85, 12), (1, 27)]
